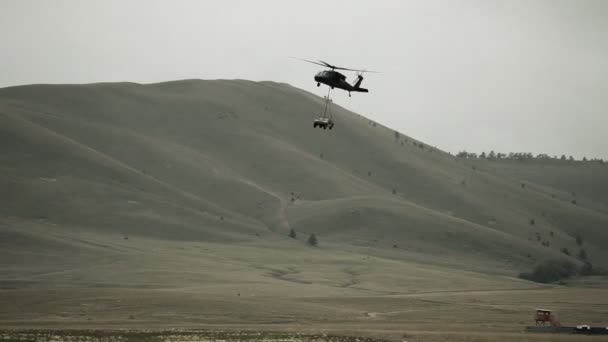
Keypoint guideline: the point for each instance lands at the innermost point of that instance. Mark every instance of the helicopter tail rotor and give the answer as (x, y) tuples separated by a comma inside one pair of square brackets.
[(358, 80)]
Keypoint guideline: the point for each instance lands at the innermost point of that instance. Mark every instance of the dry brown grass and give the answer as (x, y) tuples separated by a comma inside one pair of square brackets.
[(235, 335)]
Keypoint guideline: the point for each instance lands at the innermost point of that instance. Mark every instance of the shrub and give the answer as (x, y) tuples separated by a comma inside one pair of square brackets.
[(526, 276), (550, 271), (582, 255), (312, 240), (587, 269)]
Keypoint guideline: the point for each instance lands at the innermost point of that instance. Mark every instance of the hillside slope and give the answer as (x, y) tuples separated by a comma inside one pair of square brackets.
[(173, 184), (586, 183)]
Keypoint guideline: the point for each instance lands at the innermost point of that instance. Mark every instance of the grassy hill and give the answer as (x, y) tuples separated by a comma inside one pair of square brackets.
[(586, 183), (194, 185)]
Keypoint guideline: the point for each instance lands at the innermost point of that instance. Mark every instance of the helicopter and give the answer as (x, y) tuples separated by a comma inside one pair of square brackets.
[(334, 79)]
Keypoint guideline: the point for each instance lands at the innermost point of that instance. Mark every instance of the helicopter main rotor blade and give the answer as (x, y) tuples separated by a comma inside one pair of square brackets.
[(306, 60), (341, 68), (335, 67), (329, 65)]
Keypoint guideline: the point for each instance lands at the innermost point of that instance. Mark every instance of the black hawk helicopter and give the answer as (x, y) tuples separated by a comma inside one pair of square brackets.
[(334, 79)]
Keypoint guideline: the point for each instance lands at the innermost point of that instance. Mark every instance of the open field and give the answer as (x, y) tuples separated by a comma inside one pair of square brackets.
[(239, 335)]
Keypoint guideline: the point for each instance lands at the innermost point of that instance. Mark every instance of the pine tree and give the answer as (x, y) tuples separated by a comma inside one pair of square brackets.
[(312, 240), (582, 254), (579, 239)]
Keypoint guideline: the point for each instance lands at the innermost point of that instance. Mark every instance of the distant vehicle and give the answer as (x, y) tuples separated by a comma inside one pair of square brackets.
[(334, 79), (583, 327), (324, 123)]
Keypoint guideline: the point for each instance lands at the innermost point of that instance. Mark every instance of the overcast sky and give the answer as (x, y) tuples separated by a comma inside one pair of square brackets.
[(511, 75)]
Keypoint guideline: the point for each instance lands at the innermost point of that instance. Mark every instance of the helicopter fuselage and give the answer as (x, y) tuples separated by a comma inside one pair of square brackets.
[(335, 79)]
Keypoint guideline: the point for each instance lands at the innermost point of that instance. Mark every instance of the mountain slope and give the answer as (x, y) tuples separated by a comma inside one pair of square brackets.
[(584, 182), (238, 164)]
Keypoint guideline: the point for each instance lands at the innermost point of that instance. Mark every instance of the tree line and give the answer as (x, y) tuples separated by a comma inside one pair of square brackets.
[(522, 156)]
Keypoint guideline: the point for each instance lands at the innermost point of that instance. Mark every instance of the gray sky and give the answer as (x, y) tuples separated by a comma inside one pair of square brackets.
[(511, 75)]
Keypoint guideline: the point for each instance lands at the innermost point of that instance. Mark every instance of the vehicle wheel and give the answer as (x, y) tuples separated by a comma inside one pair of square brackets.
[(318, 84), (324, 127), (314, 125), (331, 126)]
